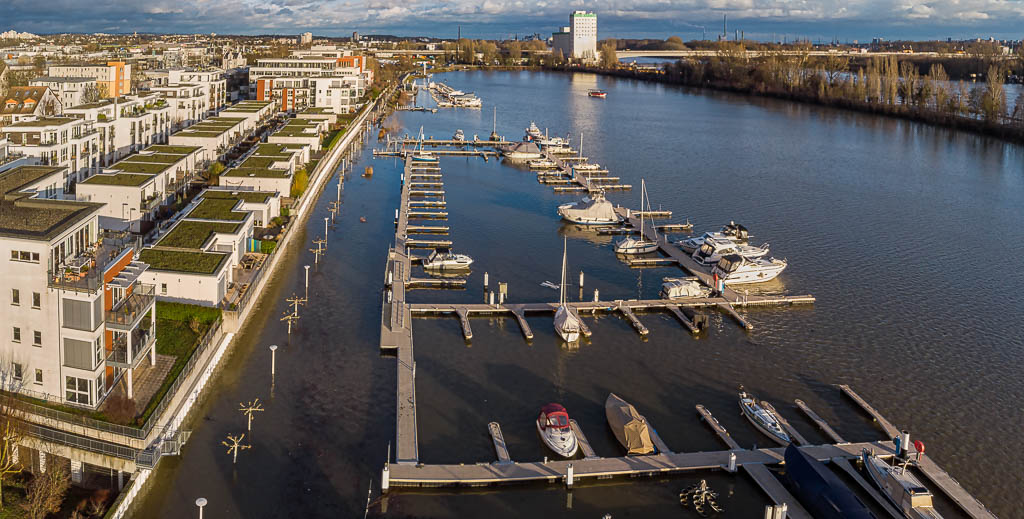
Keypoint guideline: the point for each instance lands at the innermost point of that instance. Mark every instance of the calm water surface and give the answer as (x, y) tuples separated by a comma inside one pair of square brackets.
[(910, 237)]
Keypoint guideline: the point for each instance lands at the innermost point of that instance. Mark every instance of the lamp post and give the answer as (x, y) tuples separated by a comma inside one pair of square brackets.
[(325, 228), (273, 359), (201, 502), (307, 282)]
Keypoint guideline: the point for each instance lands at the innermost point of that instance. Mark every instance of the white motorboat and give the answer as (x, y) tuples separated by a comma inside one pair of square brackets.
[(445, 259), (587, 167), (533, 132), (567, 323), (525, 150), (639, 244), (735, 269), (542, 164), (675, 288), (763, 416), (459, 135), (593, 210), (556, 431), (735, 231), (690, 245), (714, 248), (901, 487)]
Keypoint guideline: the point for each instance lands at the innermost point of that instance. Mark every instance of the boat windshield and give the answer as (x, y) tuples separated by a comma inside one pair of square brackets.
[(558, 420), (706, 249)]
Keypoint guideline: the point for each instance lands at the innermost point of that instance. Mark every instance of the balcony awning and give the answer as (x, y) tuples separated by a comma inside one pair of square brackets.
[(129, 274)]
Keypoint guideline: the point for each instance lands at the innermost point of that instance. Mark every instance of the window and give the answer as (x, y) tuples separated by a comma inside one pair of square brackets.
[(77, 390), (98, 351), (36, 299), (15, 296), (37, 338), (163, 288), (22, 255), (17, 334), (39, 376), (17, 370)]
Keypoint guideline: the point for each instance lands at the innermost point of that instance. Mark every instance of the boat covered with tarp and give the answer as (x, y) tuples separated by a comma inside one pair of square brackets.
[(593, 210), (629, 426)]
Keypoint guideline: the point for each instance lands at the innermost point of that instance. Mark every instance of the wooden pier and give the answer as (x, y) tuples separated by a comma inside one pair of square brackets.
[(499, 442), (581, 439)]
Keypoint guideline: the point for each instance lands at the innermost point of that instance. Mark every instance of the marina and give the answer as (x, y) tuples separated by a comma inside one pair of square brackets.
[(847, 336)]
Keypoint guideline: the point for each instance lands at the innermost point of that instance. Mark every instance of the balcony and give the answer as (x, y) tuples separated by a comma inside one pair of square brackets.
[(84, 272), (127, 314), (141, 342), (150, 203)]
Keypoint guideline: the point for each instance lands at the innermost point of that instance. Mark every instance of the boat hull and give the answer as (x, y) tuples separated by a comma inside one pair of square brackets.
[(631, 246), (760, 427), (565, 447)]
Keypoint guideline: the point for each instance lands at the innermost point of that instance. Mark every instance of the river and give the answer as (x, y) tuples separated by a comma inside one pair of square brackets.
[(909, 236)]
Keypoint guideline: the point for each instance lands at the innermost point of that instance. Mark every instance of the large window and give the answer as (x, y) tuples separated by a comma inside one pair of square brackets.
[(16, 337), (17, 370), (37, 338), (15, 296), (77, 390)]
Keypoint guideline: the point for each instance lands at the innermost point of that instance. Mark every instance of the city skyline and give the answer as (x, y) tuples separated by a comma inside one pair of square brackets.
[(758, 19)]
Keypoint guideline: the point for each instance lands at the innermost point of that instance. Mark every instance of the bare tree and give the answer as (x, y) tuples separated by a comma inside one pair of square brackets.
[(11, 428), (90, 94), (47, 490)]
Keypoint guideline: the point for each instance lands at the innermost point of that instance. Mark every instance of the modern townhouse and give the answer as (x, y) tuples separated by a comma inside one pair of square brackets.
[(270, 167), (213, 82), (300, 131), (127, 124), (189, 103), (195, 260), (215, 135), (67, 142), (254, 112), (78, 323)]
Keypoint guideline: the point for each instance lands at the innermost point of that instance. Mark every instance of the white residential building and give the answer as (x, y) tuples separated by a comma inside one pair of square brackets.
[(190, 103), (75, 320), (583, 28), (127, 124), (72, 91), (66, 142), (213, 82)]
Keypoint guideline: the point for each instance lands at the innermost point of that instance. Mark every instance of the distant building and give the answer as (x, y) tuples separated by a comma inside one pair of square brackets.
[(355, 36), (112, 79), (561, 41), (28, 103), (305, 38), (72, 91), (583, 26), (578, 40)]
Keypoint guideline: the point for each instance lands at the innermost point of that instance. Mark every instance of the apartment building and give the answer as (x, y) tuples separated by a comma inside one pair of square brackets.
[(254, 112), (212, 81), (189, 103), (134, 189), (66, 142), (72, 91), (299, 82), (29, 103), (270, 167), (341, 94), (76, 322), (193, 262), (113, 79), (127, 124), (216, 135)]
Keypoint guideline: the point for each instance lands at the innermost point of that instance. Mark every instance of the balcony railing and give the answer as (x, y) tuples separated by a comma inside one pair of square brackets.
[(119, 357), (130, 310), (84, 272), (150, 203)]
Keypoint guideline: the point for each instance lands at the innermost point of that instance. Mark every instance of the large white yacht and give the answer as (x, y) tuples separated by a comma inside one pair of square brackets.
[(445, 259), (714, 248), (735, 269)]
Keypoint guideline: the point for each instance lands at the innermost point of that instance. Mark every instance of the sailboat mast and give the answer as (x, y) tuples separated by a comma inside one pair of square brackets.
[(561, 286), (581, 143), (642, 191), (494, 124)]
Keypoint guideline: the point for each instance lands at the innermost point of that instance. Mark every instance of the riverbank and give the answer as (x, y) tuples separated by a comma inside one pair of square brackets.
[(1008, 132)]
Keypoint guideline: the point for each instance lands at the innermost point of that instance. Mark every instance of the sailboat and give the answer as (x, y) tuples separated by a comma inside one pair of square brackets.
[(639, 245), (567, 323), (494, 128), (423, 156)]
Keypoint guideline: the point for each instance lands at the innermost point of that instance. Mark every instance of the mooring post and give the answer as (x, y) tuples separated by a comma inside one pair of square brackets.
[(581, 279), (569, 476), (732, 462), (486, 277), (596, 295), (492, 298), (385, 477)]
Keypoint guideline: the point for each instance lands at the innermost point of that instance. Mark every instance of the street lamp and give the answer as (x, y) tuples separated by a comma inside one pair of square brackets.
[(201, 502), (273, 359)]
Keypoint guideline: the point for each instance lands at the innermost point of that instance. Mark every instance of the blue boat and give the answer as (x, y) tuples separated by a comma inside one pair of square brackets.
[(821, 492)]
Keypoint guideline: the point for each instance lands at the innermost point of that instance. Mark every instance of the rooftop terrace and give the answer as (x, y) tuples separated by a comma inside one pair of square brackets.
[(183, 261)]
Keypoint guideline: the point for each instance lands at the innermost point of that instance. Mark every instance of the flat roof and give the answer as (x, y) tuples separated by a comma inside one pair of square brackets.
[(191, 262), (256, 173), (140, 167), (46, 121), (119, 179), (166, 148), (263, 161), (33, 218), (258, 197), (277, 149), (192, 234), (160, 158), (217, 209)]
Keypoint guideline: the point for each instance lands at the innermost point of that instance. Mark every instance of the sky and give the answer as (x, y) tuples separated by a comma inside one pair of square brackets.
[(497, 19)]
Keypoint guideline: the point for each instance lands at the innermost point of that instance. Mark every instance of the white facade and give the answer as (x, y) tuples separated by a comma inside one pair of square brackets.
[(128, 125), (59, 141), (341, 94), (70, 90), (213, 83), (190, 103), (583, 28)]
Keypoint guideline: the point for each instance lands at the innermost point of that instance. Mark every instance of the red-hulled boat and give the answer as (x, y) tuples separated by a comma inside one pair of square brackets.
[(597, 93)]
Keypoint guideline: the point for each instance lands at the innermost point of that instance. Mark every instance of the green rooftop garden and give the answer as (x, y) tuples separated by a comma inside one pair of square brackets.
[(255, 197), (183, 261), (140, 167), (120, 179), (263, 161), (217, 209), (237, 108), (273, 148), (182, 150), (296, 132), (191, 234), (255, 172), (46, 121), (162, 158), (196, 133)]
